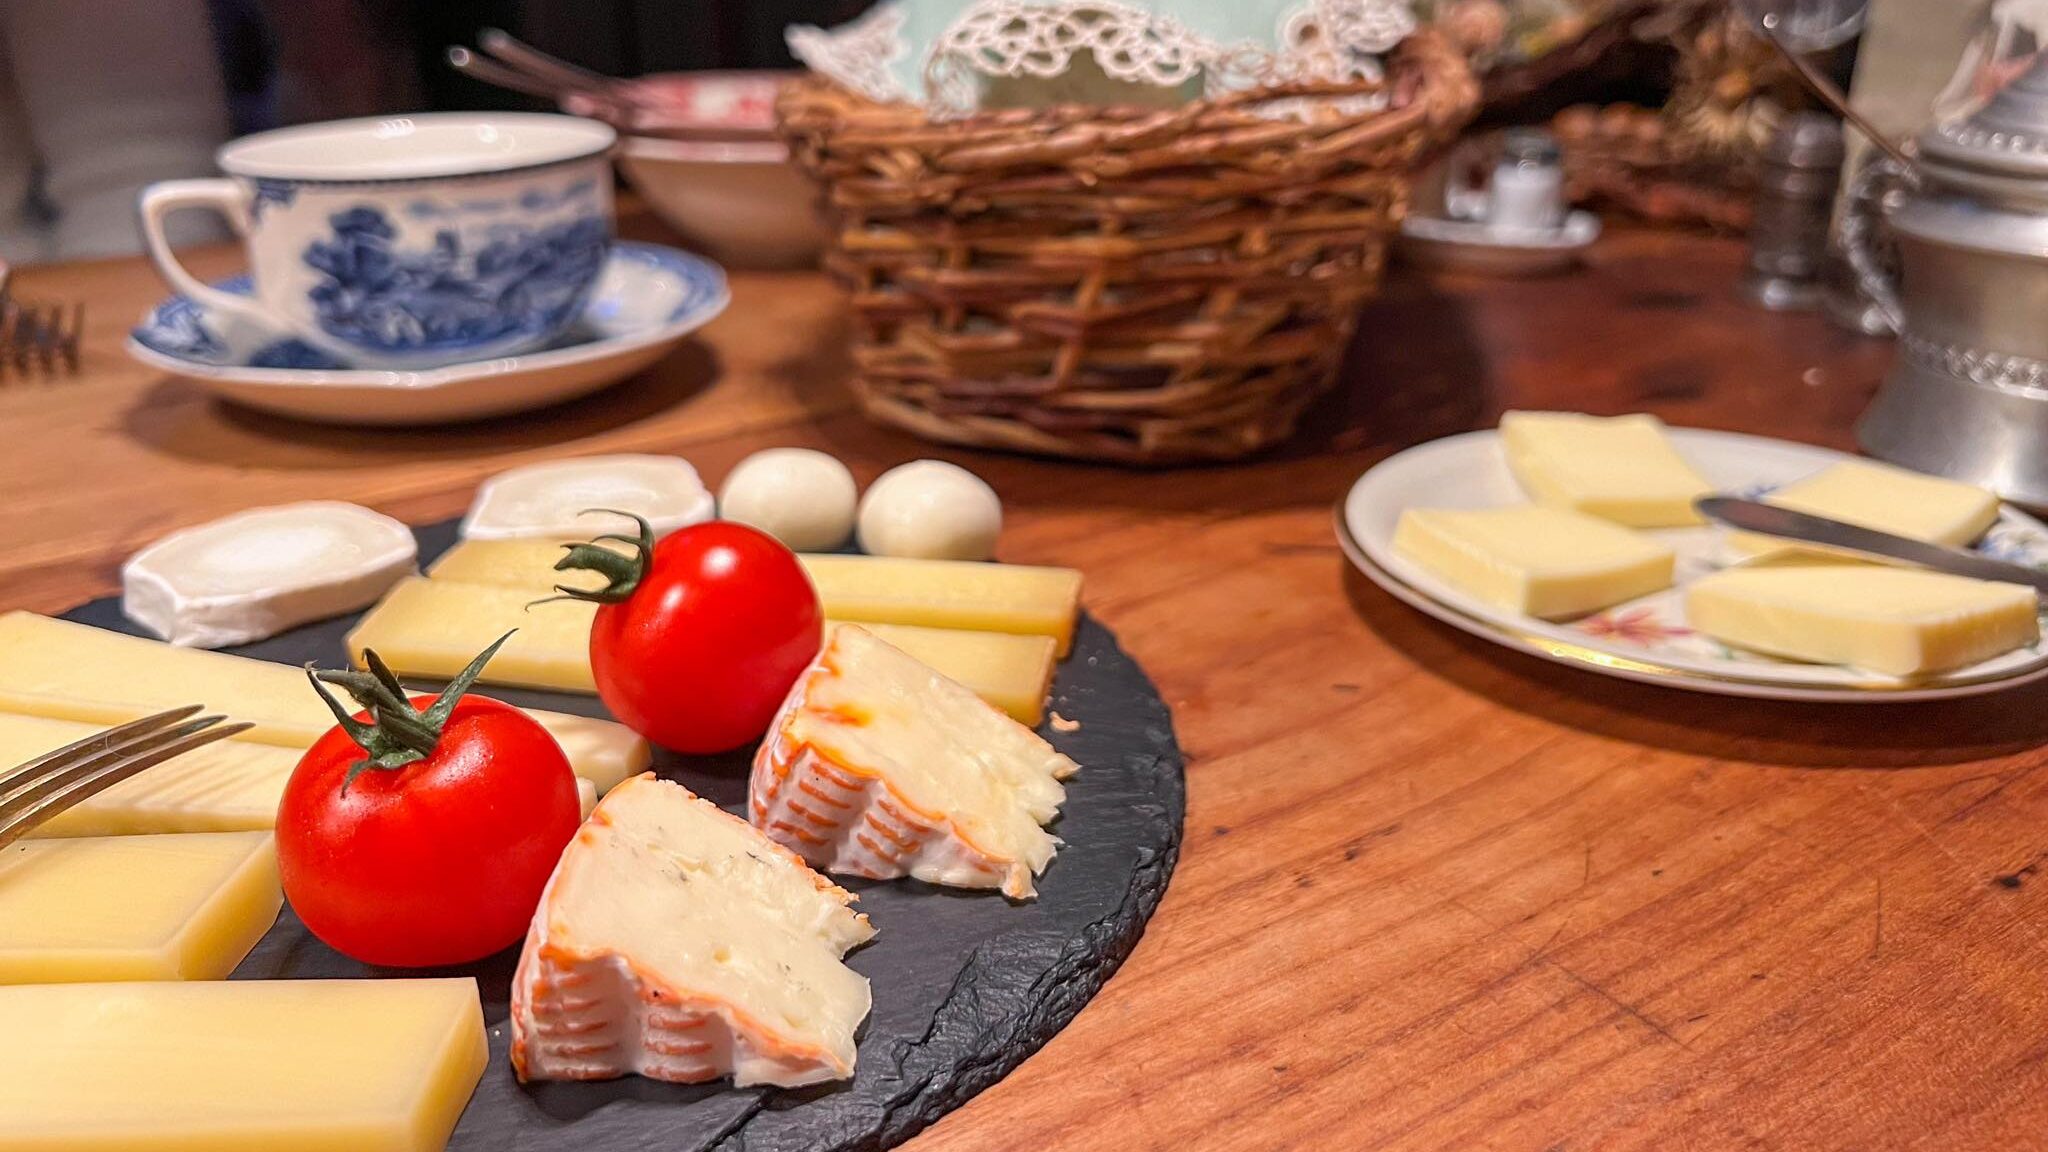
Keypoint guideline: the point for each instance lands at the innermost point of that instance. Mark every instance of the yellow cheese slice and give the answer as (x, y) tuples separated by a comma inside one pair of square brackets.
[(1619, 468), (958, 594), (432, 627), (239, 1065), (1545, 562), (68, 671), (229, 786), (1899, 621), (185, 907), (1880, 496)]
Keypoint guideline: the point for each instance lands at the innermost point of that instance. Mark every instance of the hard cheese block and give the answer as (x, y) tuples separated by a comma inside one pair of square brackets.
[(963, 595), (68, 671), (1544, 562), (228, 786), (878, 766), (238, 1065), (1899, 621), (433, 627), (256, 573), (185, 907), (1888, 499), (1619, 468), (676, 942)]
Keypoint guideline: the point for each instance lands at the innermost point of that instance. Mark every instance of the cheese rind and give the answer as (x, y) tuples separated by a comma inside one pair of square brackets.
[(1544, 562), (183, 907), (1619, 468), (432, 627), (1898, 621), (68, 671), (878, 766), (257, 573), (227, 786), (955, 594), (675, 942), (1879, 496), (551, 497), (239, 1065)]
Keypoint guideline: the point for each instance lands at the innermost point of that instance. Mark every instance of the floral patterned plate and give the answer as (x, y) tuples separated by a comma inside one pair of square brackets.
[(1647, 639), (646, 300)]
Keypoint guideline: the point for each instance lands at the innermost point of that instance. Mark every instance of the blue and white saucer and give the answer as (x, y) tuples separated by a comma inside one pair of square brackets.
[(647, 299)]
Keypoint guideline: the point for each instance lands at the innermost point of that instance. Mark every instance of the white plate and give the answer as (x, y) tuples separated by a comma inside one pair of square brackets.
[(647, 299), (1646, 639)]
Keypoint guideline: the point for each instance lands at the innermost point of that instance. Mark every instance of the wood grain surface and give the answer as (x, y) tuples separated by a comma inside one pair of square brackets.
[(1435, 895)]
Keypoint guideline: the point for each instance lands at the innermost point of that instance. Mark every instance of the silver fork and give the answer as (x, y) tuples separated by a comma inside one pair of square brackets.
[(38, 335), (54, 781)]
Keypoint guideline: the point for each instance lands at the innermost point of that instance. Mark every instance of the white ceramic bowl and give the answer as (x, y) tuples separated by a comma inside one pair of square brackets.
[(743, 204)]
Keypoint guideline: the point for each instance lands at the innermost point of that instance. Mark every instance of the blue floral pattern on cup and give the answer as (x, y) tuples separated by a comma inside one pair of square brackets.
[(523, 282)]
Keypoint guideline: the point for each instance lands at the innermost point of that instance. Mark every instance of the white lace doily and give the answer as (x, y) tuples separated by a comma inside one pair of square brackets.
[(878, 56)]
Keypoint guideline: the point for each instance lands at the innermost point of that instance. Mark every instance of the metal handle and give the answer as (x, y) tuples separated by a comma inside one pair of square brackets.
[(1863, 223)]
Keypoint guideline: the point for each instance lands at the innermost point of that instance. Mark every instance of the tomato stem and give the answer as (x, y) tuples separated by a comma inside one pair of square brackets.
[(622, 572), (397, 734)]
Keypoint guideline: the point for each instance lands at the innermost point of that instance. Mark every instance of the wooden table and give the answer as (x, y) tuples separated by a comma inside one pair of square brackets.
[(1434, 895)]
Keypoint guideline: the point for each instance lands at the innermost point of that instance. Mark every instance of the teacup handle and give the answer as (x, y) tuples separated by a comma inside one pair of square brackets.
[(223, 196)]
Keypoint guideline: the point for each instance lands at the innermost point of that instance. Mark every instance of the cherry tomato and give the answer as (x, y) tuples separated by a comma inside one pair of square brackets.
[(439, 861), (702, 635)]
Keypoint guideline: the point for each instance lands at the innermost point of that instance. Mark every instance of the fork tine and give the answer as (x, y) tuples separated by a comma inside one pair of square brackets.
[(23, 789), (74, 336), (48, 318), (71, 783), (92, 745)]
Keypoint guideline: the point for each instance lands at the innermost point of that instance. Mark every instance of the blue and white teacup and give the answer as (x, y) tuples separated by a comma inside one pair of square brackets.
[(407, 242)]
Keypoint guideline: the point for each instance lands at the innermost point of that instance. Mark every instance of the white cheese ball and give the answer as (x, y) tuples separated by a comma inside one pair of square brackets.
[(930, 510), (801, 497)]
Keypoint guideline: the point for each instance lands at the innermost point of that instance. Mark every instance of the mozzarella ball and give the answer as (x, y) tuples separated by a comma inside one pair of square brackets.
[(803, 498), (930, 510)]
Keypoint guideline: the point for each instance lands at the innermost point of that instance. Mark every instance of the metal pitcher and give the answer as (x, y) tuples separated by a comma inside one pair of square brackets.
[(1968, 394)]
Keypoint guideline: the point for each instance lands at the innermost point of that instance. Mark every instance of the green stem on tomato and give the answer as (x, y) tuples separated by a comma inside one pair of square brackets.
[(622, 572), (397, 734)]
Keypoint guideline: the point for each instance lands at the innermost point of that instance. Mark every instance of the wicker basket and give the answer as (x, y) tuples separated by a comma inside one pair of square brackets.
[(1132, 285)]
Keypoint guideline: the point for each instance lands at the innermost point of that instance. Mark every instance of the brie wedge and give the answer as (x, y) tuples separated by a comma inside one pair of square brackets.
[(551, 498), (254, 574), (676, 942), (879, 766)]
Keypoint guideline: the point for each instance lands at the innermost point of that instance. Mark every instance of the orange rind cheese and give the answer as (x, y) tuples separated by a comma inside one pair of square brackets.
[(878, 766), (676, 942)]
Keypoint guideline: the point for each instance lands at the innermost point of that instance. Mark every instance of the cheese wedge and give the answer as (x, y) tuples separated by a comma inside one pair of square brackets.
[(68, 671), (1898, 621), (433, 627), (1544, 562), (239, 1065), (133, 907), (257, 573), (1619, 468), (676, 942), (878, 766), (550, 498), (228, 786), (955, 594), (1880, 496)]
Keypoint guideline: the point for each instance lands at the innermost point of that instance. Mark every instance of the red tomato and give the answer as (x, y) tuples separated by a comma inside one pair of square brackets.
[(701, 653), (440, 861)]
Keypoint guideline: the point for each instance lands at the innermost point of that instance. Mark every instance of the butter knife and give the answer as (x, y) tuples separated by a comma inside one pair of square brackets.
[(1771, 520)]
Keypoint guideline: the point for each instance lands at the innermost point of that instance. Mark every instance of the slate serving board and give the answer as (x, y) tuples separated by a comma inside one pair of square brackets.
[(966, 985)]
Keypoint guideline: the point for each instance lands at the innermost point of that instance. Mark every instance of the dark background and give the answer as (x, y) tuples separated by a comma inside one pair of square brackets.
[(290, 61)]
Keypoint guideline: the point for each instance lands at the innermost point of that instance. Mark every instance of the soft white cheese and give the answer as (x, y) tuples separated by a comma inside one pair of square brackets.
[(552, 497), (802, 497), (676, 942), (879, 766), (254, 574), (930, 510)]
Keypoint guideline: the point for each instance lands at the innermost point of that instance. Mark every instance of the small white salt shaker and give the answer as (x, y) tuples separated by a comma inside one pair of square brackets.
[(1527, 192)]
